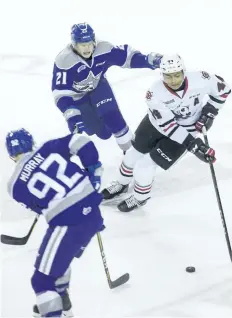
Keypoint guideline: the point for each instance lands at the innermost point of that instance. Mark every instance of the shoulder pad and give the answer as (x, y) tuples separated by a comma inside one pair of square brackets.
[(66, 59), (102, 47)]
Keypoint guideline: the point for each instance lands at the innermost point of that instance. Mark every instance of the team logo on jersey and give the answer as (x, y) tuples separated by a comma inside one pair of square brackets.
[(102, 63), (81, 68), (149, 95), (87, 210), (87, 84), (182, 112), (87, 87), (205, 75)]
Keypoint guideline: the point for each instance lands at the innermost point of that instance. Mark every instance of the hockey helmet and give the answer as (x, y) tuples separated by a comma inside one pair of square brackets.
[(81, 33), (18, 142), (171, 64)]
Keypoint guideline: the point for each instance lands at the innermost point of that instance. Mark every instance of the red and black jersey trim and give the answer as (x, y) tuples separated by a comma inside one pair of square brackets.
[(173, 130), (217, 100), (167, 122)]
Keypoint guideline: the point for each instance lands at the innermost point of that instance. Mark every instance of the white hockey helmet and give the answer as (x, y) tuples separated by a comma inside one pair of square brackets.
[(171, 64)]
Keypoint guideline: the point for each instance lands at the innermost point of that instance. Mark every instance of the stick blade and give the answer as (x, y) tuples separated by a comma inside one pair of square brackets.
[(10, 240), (120, 281)]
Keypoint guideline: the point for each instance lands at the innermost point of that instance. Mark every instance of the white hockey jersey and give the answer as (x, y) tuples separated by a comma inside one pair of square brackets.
[(174, 114)]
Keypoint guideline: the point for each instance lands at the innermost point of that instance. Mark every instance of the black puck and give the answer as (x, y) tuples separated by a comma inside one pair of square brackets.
[(190, 269)]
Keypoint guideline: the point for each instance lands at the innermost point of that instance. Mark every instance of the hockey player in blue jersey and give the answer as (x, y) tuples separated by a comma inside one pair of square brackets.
[(46, 181), (81, 90)]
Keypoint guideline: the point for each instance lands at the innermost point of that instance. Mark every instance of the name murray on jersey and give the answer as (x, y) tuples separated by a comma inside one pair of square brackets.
[(30, 166)]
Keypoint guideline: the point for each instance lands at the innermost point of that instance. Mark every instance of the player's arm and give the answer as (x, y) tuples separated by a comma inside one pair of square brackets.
[(15, 191), (127, 57), (66, 98), (218, 91)]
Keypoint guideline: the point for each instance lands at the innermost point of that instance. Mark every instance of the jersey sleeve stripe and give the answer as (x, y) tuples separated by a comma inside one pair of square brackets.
[(173, 130), (167, 122), (77, 142), (170, 126), (217, 100)]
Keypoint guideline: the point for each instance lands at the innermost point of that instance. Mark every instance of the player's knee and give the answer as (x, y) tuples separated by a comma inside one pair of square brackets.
[(144, 170), (103, 132), (131, 157), (114, 120), (41, 282), (140, 144)]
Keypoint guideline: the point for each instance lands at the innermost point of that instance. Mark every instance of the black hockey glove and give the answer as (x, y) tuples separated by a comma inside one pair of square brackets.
[(201, 150), (207, 117)]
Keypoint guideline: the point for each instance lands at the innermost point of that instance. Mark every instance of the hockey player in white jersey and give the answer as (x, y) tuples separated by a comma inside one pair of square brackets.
[(176, 114)]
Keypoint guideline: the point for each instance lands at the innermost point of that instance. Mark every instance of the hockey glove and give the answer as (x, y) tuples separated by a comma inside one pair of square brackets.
[(95, 173), (207, 117), (154, 59), (75, 125), (201, 150), (79, 128)]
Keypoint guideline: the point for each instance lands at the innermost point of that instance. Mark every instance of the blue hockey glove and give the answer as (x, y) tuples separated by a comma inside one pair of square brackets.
[(79, 128), (95, 173), (75, 125), (154, 59)]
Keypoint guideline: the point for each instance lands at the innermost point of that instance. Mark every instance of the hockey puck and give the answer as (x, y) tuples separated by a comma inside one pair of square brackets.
[(190, 269)]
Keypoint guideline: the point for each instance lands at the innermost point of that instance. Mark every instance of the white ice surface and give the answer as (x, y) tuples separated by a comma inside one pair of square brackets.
[(180, 226)]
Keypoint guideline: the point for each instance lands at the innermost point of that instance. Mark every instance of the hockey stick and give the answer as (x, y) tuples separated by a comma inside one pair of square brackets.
[(204, 131), (11, 240), (119, 281)]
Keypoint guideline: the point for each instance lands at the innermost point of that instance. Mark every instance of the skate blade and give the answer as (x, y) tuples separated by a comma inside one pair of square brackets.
[(67, 313), (114, 201)]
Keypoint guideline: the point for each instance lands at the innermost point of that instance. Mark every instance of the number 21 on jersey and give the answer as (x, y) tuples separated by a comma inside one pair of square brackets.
[(61, 78)]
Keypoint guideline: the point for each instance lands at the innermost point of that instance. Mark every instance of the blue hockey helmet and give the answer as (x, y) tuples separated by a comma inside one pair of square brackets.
[(81, 33), (19, 141)]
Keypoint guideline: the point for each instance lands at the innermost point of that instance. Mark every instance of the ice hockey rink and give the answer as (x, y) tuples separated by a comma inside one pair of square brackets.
[(181, 225)]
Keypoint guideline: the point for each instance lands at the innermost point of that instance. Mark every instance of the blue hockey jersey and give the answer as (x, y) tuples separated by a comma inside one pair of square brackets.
[(74, 77), (48, 182)]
